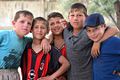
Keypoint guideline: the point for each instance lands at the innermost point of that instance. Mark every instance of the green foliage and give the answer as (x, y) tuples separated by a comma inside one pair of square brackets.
[(64, 6), (102, 6)]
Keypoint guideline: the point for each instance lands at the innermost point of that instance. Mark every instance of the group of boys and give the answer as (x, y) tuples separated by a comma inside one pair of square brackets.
[(75, 49)]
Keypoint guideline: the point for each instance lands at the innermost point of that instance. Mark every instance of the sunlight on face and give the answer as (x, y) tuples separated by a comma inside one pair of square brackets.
[(77, 19), (95, 33), (55, 26), (39, 30)]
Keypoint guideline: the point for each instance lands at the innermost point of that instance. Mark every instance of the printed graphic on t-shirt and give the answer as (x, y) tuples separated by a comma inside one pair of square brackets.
[(12, 60)]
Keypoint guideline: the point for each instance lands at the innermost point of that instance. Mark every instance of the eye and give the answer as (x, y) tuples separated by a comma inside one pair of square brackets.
[(58, 22), (72, 15), (35, 27), (80, 15), (43, 27), (51, 24), (88, 30), (22, 21), (29, 23)]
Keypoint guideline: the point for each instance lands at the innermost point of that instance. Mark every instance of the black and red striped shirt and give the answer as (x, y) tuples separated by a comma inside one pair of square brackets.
[(36, 65)]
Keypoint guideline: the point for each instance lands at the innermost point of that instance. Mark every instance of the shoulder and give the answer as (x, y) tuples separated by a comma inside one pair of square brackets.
[(112, 44), (27, 39), (5, 32), (112, 41), (54, 51)]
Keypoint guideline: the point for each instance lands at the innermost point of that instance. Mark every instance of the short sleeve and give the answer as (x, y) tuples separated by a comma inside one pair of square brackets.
[(3, 36)]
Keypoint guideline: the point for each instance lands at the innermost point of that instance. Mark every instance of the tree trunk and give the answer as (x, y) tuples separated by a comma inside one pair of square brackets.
[(117, 8)]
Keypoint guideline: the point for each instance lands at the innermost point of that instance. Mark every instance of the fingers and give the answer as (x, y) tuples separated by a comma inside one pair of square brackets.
[(95, 53), (45, 45), (46, 48)]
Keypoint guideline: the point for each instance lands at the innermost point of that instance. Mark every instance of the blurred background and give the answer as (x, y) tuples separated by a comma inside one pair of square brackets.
[(109, 8)]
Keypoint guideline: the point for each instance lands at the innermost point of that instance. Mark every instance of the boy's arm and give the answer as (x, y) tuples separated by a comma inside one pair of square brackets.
[(45, 43), (111, 31), (63, 68)]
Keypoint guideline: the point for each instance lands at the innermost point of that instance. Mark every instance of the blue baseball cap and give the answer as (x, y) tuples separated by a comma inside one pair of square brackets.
[(94, 20)]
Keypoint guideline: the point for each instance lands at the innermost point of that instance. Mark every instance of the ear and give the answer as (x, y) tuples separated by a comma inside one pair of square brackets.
[(13, 22)]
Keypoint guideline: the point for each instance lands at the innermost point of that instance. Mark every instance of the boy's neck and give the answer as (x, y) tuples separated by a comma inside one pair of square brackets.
[(36, 42), (58, 41), (57, 37), (36, 45), (20, 36), (76, 31)]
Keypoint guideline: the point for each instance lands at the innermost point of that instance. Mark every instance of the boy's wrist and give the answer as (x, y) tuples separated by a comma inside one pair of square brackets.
[(53, 77)]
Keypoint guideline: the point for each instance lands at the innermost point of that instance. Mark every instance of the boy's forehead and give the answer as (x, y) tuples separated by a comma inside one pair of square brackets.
[(54, 19), (76, 10), (23, 15)]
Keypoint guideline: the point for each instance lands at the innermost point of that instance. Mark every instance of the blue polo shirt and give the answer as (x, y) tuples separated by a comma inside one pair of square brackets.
[(108, 60), (11, 49)]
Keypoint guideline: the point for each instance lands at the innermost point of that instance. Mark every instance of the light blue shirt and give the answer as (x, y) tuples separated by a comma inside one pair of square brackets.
[(11, 49)]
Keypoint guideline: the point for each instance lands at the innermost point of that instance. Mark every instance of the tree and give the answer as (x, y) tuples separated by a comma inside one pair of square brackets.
[(64, 6), (108, 8), (117, 8)]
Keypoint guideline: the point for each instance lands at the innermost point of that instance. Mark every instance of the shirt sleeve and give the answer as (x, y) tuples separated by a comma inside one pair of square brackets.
[(111, 46), (3, 36)]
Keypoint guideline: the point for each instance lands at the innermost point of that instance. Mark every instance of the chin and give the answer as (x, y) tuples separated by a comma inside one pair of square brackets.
[(94, 39)]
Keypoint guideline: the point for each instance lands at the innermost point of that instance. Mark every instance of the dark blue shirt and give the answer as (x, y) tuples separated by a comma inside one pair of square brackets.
[(108, 60)]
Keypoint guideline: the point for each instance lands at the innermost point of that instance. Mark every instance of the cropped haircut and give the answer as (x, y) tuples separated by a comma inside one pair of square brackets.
[(23, 12), (79, 7), (54, 14), (40, 19)]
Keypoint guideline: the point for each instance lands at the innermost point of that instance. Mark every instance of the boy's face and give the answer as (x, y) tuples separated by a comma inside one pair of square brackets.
[(96, 33), (39, 30), (23, 25), (77, 19), (56, 26)]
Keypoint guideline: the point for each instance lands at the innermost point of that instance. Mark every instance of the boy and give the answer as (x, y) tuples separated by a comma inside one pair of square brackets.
[(79, 45), (107, 65), (54, 21), (12, 44), (36, 65)]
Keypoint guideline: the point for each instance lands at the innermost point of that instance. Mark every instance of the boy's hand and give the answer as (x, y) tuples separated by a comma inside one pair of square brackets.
[(45, 45), (61, 78), (46, 78), (63, 23), (95, 51)]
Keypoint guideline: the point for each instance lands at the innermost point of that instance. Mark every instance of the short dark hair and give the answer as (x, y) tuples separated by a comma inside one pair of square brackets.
[(79, 6), (39, 19), (24, 12), (54, 14)]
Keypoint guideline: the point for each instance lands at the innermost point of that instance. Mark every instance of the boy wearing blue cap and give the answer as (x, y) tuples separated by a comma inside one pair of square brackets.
[(107, 65)]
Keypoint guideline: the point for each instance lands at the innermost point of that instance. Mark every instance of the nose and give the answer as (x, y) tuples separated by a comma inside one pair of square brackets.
[(25, 25), (56, 24), (75, 17), (92, 33)]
